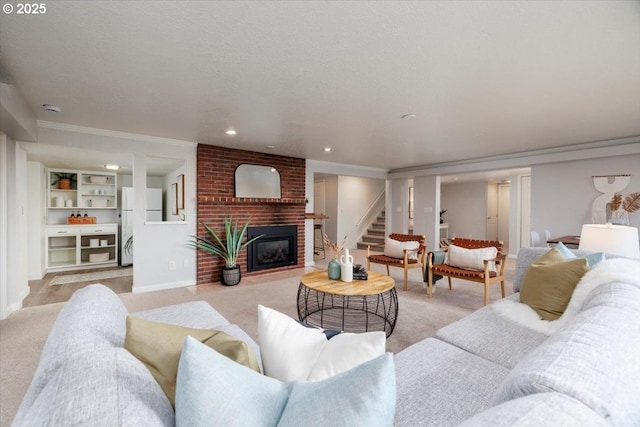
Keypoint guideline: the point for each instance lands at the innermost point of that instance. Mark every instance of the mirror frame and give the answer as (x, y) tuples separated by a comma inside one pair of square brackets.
[(251, 182)]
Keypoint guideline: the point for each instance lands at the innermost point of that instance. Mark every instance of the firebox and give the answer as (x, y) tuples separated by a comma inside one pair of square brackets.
[(278, 247)]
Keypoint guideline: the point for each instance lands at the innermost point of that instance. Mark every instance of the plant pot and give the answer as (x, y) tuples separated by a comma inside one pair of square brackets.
[(230, 276), (64, 184)]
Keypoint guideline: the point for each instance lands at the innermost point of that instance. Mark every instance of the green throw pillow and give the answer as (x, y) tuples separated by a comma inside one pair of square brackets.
[(553, 256), (159, 345), (549, 282)]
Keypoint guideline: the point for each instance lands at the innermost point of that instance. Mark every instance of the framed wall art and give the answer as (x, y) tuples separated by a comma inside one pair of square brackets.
[(180, 192), (174, 195)]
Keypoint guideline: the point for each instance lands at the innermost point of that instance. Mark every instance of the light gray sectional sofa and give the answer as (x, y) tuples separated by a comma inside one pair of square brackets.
[(484, 370), (488, 369)]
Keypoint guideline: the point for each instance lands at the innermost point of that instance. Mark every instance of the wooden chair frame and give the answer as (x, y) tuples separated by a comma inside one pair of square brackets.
[(405, 263), (484, 276)]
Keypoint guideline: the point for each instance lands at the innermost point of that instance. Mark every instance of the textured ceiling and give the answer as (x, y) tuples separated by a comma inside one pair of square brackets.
[(483, 78)]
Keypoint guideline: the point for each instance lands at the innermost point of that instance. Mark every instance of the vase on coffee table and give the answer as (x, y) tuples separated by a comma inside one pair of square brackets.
[(333, 269)]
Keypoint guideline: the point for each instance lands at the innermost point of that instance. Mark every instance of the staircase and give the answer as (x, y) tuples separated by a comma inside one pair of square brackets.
[(375, 235)]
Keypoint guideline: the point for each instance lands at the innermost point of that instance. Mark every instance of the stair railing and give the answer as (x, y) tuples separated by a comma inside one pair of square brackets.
[(372, 211)]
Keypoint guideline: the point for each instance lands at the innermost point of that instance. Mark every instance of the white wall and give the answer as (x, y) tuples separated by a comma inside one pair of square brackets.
[(331, 206), (16, 118), (519, 213), (356, 195), (4, 223), (397, 212), (426, 220), (466, 205), (14, 284), (21, 207), (35, 217), (156, 244), (562, 193), (168, 197)]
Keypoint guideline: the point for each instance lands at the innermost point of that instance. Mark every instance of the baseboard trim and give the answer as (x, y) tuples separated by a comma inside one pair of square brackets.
[(162, 286)]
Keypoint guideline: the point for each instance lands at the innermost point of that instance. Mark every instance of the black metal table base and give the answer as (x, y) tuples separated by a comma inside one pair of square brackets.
[(349, 313)]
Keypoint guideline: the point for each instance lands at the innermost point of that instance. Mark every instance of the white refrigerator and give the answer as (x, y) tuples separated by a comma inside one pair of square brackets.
[(154, 213)]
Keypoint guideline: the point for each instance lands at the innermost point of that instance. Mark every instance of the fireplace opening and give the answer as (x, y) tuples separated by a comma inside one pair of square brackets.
[(278, 247)]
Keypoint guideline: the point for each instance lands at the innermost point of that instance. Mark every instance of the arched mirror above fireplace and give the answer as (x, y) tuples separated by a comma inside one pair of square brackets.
[(257, 181)]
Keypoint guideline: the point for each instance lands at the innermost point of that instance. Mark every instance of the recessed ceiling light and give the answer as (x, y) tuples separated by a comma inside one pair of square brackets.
[(328, 149), (112, 167), (231, 132), (270, 147), (409, 116), (51, 107)]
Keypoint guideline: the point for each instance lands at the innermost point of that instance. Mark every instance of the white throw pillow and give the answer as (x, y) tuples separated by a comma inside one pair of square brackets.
[(395, 248), (293, 352), (471, 258)]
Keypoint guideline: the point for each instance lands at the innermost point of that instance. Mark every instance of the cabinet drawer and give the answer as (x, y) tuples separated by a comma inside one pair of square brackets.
[(105, 229), (61, 231)]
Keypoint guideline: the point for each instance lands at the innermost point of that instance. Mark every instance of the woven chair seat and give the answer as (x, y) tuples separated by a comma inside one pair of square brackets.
[(448, 270), (383, 259)]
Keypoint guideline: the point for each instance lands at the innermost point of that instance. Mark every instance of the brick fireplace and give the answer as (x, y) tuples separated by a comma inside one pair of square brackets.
[(216, 200)]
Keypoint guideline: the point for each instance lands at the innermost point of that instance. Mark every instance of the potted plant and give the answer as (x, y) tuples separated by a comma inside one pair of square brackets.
[(64, 180), (227, 247)]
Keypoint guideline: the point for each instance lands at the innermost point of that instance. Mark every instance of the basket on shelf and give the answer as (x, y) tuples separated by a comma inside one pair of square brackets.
[(99, 257), (93, 179), (85, 220)]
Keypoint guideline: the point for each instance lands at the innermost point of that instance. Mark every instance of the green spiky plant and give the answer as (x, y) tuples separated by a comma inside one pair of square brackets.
[(230, 248)]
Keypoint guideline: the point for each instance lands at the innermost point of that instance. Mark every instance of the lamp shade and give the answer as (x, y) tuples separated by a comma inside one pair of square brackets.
[(610, 239)]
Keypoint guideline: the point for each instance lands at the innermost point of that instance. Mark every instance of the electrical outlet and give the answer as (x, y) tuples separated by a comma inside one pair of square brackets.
[(185, 263), (172, 265)]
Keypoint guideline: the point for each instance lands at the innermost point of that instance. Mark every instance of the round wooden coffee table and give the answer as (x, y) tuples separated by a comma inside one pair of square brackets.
[(359, 306)]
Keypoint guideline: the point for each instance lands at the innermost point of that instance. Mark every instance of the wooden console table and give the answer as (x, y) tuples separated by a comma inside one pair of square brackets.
[(359, 306)]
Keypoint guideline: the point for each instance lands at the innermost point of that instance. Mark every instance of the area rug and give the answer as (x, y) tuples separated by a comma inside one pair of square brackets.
[(88, 277)]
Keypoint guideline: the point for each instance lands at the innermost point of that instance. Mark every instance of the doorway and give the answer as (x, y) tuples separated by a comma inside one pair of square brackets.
[(503, 213)]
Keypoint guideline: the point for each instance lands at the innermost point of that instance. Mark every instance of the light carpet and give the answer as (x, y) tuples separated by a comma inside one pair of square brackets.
[(94, 276), (24, 332)]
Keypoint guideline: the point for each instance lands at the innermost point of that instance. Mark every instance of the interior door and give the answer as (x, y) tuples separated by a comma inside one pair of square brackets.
[(525, 211), (503, 214), (492, 212)]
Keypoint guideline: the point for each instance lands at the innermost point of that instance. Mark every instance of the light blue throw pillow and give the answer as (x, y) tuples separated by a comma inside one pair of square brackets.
[(592, 259), (213, 390)]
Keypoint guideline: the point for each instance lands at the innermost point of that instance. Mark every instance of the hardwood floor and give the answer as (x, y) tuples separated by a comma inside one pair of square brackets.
[(42, 292)]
